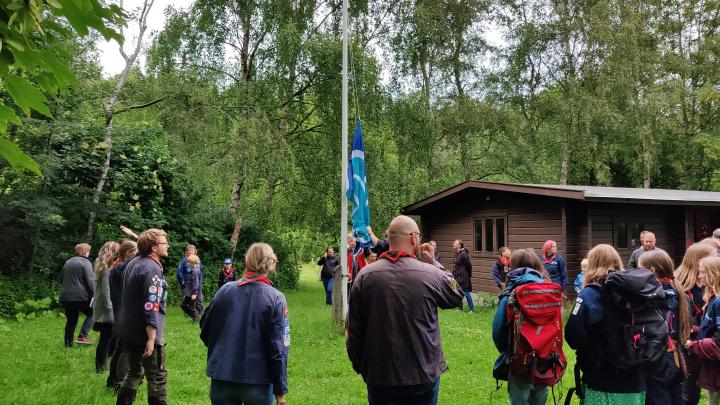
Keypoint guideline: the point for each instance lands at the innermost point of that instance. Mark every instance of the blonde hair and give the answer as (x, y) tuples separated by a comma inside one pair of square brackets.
[(584, 265), (686, 275), (106, 258), (714, 242), (193, 260), (601, 260), (710, 267), (81, 249), (258, 258)]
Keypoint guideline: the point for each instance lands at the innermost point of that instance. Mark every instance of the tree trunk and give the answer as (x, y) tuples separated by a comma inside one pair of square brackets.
[(234, 205), (108, 111)]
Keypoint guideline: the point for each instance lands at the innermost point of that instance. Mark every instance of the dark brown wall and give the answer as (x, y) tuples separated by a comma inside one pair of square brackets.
[(577, 231), (531, 220), (666, 222)]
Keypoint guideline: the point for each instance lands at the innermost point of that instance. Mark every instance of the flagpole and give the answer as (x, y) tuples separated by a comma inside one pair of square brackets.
[(343, 209)]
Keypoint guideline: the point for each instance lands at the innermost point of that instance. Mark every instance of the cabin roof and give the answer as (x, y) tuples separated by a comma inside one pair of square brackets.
[(583, 193)]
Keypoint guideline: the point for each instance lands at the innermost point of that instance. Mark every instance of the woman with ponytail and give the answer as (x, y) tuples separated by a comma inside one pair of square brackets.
[(664, 378), (247, 333)]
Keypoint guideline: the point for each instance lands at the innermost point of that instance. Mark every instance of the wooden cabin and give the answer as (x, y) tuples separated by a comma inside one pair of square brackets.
[(487, 216)]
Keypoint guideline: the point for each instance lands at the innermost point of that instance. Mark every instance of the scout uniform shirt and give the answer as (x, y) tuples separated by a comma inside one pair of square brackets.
[(143, 301)]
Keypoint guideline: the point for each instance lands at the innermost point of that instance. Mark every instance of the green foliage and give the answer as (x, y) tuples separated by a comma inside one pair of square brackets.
[(29, 41), (26, 295)]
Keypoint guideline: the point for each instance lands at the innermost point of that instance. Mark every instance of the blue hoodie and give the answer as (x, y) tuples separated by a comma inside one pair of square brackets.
[(500, 325)]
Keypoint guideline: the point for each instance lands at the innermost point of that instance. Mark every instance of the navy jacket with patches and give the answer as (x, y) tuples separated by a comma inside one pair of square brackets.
[(247, 332), (583, 332), (144, 294)]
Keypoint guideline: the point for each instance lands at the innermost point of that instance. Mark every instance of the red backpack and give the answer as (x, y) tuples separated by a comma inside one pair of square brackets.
[(534, 310)]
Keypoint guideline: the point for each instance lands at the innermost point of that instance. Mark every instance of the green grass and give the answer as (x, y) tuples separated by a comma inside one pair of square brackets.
[(37, 369)]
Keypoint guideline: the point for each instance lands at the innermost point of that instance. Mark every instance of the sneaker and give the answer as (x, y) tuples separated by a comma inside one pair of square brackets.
[(83, 340), (471, 312)]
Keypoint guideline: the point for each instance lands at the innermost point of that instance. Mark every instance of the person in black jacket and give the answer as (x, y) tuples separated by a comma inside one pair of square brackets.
[(462, 271), (118, 362), (328, 262), (226, 274), (247, 332), (586, 331), (77, 290)]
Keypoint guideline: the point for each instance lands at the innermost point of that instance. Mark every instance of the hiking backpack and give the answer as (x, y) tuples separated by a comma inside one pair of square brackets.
[(534, 311), (635, 326), (636, 318)]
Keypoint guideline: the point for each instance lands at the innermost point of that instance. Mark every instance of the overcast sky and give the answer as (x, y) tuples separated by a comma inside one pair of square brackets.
[(110, 58)]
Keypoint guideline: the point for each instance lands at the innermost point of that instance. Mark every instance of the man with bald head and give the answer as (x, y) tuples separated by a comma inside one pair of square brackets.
[(648, 243), (393, 336)]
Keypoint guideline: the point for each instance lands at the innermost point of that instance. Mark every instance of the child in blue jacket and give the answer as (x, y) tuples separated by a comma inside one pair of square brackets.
[(526, 268)]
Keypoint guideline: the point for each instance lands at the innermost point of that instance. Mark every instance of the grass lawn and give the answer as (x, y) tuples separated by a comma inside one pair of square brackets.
[(37, 369)]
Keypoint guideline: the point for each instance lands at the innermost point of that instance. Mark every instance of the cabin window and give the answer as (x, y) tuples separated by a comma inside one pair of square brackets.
[(489, 234), (624, 231)]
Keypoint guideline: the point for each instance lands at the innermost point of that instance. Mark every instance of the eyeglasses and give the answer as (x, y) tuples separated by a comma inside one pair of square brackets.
[(418, 234), (269, 260)]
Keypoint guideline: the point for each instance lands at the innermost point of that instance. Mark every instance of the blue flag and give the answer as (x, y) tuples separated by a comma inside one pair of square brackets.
[(357, 191)]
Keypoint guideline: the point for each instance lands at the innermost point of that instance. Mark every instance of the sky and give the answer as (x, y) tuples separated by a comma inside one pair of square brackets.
[(110, 58)]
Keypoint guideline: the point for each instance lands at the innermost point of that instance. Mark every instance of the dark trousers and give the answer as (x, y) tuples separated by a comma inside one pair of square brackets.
[(422, 394), (104, 346), (152, 368), (72, 313), (690, 388), (192, 307), (118, 366), (327, 286), (227, 393)]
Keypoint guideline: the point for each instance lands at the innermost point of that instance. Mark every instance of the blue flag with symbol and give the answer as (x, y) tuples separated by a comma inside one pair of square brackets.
[(357, 191)]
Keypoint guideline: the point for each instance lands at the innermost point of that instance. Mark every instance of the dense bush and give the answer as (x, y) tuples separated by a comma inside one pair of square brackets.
[(43, 218)]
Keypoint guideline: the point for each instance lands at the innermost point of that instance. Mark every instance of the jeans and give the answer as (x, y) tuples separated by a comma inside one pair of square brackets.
[(104, 346), (526, 394), (422, 394), (227, 393), (468, 298), (152, 368), (328, 287), (72, 314)]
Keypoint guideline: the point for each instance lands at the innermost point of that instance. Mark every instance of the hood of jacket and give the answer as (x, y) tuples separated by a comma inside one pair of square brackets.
[(523, 275)]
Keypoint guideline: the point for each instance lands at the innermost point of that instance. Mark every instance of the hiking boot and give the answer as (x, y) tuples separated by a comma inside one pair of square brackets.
[(84, 340)]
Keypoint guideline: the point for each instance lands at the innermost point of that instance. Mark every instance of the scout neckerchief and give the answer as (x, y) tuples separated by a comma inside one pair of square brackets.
[(505, 261), (395, 255), (228, 274), (155, 259), (548, 260), (696, 307), (253, 277), (118, 262)]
